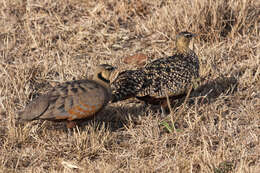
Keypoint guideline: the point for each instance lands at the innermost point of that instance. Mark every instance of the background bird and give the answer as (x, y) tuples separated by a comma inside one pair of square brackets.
[(171, 76), (73, 100)]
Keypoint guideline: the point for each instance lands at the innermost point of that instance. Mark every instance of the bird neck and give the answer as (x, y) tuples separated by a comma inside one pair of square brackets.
[(102, 80), (113, 75), (182, 47)]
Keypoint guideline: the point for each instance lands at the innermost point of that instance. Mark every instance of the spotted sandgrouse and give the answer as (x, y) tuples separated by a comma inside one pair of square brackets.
[(72, 100), (171, 76)]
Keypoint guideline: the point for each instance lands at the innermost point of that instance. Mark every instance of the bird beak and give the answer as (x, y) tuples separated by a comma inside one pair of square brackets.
[(194, 35)]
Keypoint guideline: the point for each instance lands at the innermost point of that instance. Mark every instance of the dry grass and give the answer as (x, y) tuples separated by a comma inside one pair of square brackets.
[(216, 130)]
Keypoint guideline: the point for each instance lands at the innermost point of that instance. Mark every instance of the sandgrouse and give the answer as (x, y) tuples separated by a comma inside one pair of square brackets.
[(172, 76), (73, 100)]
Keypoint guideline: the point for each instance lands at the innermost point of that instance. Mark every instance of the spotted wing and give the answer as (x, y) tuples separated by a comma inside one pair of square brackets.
[(171, 75), (127, 84)]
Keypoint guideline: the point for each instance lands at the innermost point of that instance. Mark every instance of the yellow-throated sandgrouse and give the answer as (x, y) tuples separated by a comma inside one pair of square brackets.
[(72, 100), (172, 76)]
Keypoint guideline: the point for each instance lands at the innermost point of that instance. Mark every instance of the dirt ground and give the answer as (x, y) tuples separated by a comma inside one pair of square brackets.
[(216, 129)]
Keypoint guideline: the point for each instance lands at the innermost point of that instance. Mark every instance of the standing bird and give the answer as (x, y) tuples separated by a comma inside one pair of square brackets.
[(73, 100), (171, 76)]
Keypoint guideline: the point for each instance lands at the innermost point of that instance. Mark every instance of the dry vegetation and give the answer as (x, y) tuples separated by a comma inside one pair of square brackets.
[(216, 130)]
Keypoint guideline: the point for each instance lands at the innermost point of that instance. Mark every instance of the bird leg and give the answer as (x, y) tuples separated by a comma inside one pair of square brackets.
[(71, 124), (70, 127), (165, 107), (165, 103), (164, 114)]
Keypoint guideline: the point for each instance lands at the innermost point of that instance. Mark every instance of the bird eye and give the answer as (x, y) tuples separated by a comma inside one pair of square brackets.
[(110, 68), (188, 35)]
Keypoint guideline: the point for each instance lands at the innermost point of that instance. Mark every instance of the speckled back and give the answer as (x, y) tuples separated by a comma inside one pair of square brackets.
[(172, 75)]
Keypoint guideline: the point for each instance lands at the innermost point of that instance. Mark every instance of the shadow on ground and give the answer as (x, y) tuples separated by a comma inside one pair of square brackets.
[(212, 89)]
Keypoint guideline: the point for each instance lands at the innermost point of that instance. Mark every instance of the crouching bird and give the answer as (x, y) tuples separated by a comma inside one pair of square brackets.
[(73, 100), (171, 76)]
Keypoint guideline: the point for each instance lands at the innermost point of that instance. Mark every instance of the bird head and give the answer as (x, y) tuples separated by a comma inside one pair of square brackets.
[(183, 40), (102, 73)]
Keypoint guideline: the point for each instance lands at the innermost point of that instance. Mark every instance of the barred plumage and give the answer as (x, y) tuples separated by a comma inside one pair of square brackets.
[(172, 75), (127, 84), (72, 100)]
